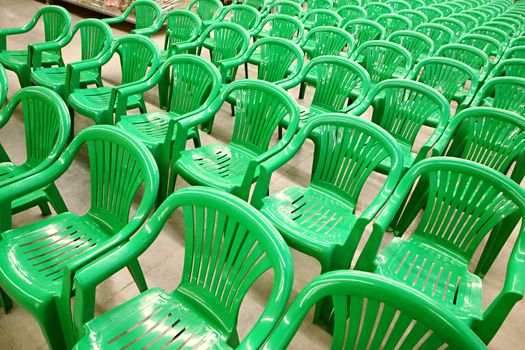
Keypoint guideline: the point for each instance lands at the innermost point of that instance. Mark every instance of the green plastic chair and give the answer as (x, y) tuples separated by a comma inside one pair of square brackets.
[(139, 59), (502, 92), (419, 45), (321, 220), (398, 5), (234, 167), (259, 5), (480, 17), (492, 32), (518, 41), (488, 136), (415, 16), (4, 84), (439, 34), (431, 12), (336, 80), (95, 37), (364, 30), (57, 22), (350, 12), (326, 40), (393, 23), (445, 8), (244, 15), (341, 3), (511, 67), (456, 25), (414, 4), (515, 52), (485, 43), (471, 56), (376, 9), (435, 259), (46, 130), (453, 79), (182, 26), (319, 4), (321, 17), (236, 245), (281, 26), (469, 21), (364, 300), (402, 107), (383, 60), (229, 41), (284, 7), (504, 25), (207, 10), (39, 260), (193, 84), (144, 12)]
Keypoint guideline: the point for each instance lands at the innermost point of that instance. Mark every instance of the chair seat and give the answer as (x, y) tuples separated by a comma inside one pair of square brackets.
[(311, 220), (14, 59), (153, 320), (35, 255), (437, 274), (94, 103), (214, 165), (55, 78)]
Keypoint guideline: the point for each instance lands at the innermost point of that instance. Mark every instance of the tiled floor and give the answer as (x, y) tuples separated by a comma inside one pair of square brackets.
[(162, 263)]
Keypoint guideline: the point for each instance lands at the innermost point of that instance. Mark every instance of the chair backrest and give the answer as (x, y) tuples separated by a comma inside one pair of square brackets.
[(325, 40), (439, 34), (46, 124), (506, 27), (518, 41), (364, 30), (512, 67), (393, 23), (321, 17), (376, 9), (515, 52), (502, 92), (480, 17), (277, 56), (337, 78), (431, 12), (401, 107), (471, 56), (95, 37), (446, 75), (414, 4), (486, 198), (146, 13), (372, 312), (341, 3), (261, 106), (283, 26), (350, 12), (57, 22), (193, 82), (485, 43), (206, 9), (488, 136), (347, 150), (495, 33), (319, 4), (230, 40), (382, 59), (398, 5), (181, 26), (4, 84), (139, 57), (469, 21), (228, 246), (285, 7), (445, 8), (419, 45), (456, 25), (415, 16), (258, 5), (244, 15)]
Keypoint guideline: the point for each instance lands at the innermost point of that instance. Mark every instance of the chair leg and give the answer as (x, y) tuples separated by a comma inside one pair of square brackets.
[(72, 122), (232, 110), (44, 208), (51, 327), (136, 272), (246, 70), (163, 91), (5, 301), (24, 77), (279, 132), (323, 309), (196, 139), (56, 199), (302, 91)]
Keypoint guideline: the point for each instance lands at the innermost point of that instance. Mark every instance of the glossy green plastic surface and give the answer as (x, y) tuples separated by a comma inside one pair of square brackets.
[(376, 9), (398, 5), (321, 17), (393, 23), (322, 219), (401, 107), (502, 92), (498, 34), (4, 84), (515, 52), (458, 27), (350, 12), (461, 203), (485, 43), (39, 260), (145, 13), (244, 15), (511, 67), (439, 34), (46, 128), (419, 45), (260, 107), (431, 12), (281, 26), (95, 40), (193, 83), (416, 17), (139, 59), (453, 79), (488, 136), (229, 245), (384, 60), (471, 56), (372, 312), (57, 22), (207, 10), (469, 21), (364, 30), (284, 7), (326, 40)]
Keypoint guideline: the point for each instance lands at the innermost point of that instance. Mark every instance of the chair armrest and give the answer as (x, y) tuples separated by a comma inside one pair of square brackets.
[(35, 51), (185, 46), (5, 32), (75, 69), (233, 62), (114, 20)]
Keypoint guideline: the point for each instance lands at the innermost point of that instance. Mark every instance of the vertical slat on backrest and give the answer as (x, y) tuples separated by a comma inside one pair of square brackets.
[(510, 97), (190, 86), (275, 62), (93, 39), (228, 43), (328, 43), (180, 28), (145, 15), (445, 78), (334, 84), (381, 62), (135, 58), (54, 23)]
